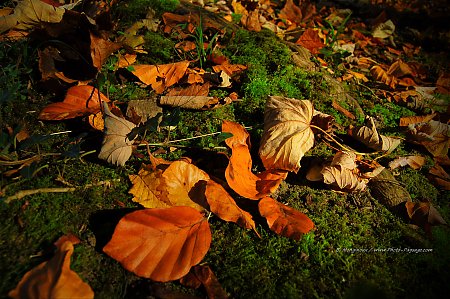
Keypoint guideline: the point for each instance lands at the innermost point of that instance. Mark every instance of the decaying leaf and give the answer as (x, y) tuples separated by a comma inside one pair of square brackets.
[(203, 275), (415, 162), (433, 135), (284, 220), (388, 191), (79, 101), (223, 205), (239, 173), (148, 188), (310, 40), (116, 147), (161, 76), (160, 244), (371, 138), (381, 75), (440, 176), (101, 49), (54, 278), (287, 133), (384, 30), (180, 178), (411, 120), (193, 97), (424, 215)]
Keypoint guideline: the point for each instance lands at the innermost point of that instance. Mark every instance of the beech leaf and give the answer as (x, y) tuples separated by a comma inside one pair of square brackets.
[(160, 244), (79, 101), (287, 134), (54, 278), (284, 220), (149, 189), (116, 148), (371, 138)]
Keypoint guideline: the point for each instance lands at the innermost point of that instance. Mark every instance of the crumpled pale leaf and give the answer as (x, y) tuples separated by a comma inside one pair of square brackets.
[(160, 244), (415, 162), (287, 134), (29, 13), (283, 220), (116, 147), (54, 278), (371, 138), (341, 173), (384, 30), (433, 135)]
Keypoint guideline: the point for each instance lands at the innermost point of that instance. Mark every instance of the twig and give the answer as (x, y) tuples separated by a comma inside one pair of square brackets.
[(28, 160), (23, 193)]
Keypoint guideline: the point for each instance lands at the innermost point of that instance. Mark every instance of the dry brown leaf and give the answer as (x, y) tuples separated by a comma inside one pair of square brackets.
[(283, 220), (101, 49), (126, 60), (180, 178), (287, 134), (342, 110), (160, 244), (400, 69), (228, 68), (291, 12), (433, 135), (193, 97), (443, 83), (371, 138), (203, 275), (239, 173), (79, 101), (410, 120), (223, 205), (424, 215), (116, 147), (384, 30), (54, 278), (161, 76), (415, 162), (381, 75), (440, 176), (149, 189), (310, 40)]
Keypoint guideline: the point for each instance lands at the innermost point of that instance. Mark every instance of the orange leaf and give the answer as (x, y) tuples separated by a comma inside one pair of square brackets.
[(228, 68), (224, 206), (148, 188), (161, 76), (79, 101), (310, 40), (284, 220), (54, 279), (101, 49), (381, 75), (160, 244), (239, 174), (204, 275), (291, 12), (180, 179)]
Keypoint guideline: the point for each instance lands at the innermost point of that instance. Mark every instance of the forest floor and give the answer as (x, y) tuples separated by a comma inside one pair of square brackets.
[(381, 67)]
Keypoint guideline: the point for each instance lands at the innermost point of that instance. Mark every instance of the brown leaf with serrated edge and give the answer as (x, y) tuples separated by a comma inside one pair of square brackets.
[(160, 244), (180, 179), (415, 162), (287, 133), (239, 174), (283, 220), (79, 101), (203, 275), (160, 76), (341, 173), (310, 40), (54, 278), (116, 147), (223, 205), (101, 49), (381, 75), (371, 138), (433, 135), (424, 215), (149, 189)]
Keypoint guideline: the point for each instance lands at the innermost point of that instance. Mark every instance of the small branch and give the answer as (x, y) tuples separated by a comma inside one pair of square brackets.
[(28, 160), (22, 193)]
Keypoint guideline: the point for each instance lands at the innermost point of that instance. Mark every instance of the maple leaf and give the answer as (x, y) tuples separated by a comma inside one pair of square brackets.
[(54, 278), (116, 147), (203, 275), (284, 220), (238, 173), (223, 205), (161, 76), (371, 138), (160, 244), (79, 101), (287, 134)]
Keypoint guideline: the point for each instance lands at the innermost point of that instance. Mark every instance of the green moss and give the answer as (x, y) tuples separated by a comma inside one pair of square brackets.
[(161, 49), (388, 114), (131, 11)]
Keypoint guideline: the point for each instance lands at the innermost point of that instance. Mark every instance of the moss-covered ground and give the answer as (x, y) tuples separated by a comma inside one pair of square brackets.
[(358, 247)]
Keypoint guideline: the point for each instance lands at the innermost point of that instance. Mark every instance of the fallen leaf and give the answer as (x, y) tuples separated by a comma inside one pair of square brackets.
[(116, 147), (341, 109), (160, 76), (149, 189), (371, 138), (283, 220), (239, 174), (79, 101), (287, 134), (160, 244), (381, 75), (180, 182), (424, 215), (443, 84), (400, 69), (142, 110), (410, 120), (223, 205), (440, 176), (193, 97), (229, 68), (291, 12), (415, 162), (433, 135), (310, 40), (203, 275), (54, 278), (126, 60), (384, 30), (101, 49)]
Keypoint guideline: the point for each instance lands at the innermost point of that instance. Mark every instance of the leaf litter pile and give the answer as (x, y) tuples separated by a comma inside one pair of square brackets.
[(85, 56)]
